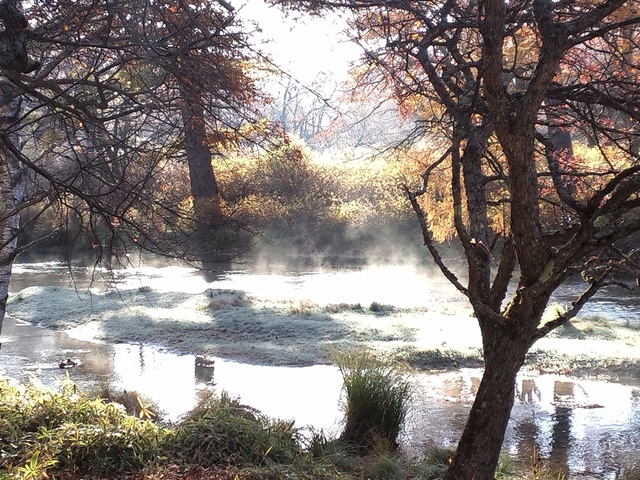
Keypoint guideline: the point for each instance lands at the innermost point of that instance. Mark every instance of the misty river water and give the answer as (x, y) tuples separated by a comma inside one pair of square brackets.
[(590, 428)]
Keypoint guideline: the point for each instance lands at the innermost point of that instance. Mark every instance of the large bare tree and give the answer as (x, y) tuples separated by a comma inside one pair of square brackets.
[(514, 86)]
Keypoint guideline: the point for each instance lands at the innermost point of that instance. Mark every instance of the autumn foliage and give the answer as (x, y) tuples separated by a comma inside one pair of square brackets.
[(295, 198)]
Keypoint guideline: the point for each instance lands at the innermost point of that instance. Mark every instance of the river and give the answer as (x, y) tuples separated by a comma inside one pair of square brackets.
[(589, 428)]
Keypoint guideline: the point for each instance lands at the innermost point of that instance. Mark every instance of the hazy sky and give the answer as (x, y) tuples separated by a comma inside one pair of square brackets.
[(301, 46)]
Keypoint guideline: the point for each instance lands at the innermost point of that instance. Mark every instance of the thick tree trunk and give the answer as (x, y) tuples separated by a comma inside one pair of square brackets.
[(479, 447), (505, 345), (13, 57), (11, 195), (204, 187)]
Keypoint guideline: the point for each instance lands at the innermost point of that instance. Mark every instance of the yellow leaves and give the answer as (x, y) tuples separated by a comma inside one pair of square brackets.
[(600, 159), (290, 185), (627, 11), (354, 212), (521, 49)]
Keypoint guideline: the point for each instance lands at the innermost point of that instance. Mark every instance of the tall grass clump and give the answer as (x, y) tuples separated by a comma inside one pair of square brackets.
[(42, 430), (222, 430), (376, 400)]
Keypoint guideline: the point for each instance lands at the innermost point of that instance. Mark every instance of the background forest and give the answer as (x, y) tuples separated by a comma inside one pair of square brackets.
[(307, 167)]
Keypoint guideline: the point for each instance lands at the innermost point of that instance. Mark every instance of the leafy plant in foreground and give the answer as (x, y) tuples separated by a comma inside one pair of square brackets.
[(223, 430), (43, 430)]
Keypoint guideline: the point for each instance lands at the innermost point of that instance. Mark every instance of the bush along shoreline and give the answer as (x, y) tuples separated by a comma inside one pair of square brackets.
[(67, 434)]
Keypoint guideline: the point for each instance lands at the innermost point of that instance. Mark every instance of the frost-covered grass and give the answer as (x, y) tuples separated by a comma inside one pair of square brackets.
[(284, 329), (233, 324)]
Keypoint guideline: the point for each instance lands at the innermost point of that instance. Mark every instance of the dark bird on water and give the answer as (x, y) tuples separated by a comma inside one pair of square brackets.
[(68, 363)]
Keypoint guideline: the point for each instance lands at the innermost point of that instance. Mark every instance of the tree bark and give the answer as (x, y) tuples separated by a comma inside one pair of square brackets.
[(477, 247), (479, 448), (13, 57), (9, 226), (505, 345), (12, 194), (204, 186), (505, 348)]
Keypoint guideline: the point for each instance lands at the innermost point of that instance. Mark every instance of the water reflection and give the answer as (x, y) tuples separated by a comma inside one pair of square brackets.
[(563, 397), (204, 369), (585, 428), (528, 391), (310, 395), (527, 431)]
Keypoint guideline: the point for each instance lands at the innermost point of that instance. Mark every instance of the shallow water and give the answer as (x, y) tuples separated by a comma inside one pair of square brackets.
[(585, 427), (172, 381), (402, 286)]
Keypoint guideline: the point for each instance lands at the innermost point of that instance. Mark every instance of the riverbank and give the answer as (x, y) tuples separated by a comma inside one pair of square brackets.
[(298, 319), (298, 331)]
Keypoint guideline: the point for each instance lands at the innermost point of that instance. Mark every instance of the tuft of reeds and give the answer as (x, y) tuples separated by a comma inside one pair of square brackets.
[(376, 400), (543, 469)]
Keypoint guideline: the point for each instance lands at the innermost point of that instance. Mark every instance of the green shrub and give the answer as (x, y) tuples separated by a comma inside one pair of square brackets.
[(41, 430), (221, 430), (376, 402), (385, 467), (435, 463), (126, 445)]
